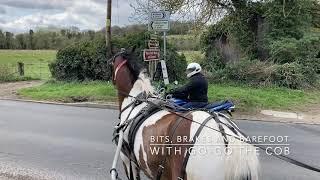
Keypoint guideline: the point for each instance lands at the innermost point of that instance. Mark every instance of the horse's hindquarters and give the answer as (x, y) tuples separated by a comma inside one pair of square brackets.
[(220, 157), (212, 155)]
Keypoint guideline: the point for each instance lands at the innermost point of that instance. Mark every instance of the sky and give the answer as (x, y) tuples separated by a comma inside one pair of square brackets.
[(22, 15)]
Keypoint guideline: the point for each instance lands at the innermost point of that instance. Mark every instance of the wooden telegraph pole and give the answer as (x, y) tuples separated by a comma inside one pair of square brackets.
[(108, 28)]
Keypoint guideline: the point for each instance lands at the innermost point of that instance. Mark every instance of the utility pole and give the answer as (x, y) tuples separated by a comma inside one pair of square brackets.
[(108, 28)]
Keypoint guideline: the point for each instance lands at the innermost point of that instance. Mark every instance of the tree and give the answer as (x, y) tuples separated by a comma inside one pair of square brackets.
[(2, 40), (200, 11), (21, 41), (31, 39), (9, 42)]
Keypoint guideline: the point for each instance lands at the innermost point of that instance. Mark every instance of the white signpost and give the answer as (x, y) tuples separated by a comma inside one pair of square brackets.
[(159, 21)]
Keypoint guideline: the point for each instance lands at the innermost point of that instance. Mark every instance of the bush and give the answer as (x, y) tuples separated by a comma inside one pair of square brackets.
[(284, 50), (257, 73), (289, 75), (88, 60), (213, 61), (287, 50), (81, 61), (250, 72)]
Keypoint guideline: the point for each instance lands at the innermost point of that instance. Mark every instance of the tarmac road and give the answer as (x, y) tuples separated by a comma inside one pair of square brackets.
[(39, 141)]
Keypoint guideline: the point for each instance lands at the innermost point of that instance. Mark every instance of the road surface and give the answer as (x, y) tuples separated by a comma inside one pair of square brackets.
[(39, 141)]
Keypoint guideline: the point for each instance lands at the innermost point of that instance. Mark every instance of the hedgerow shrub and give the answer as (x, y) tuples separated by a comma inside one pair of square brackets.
[(286, 50), (258, 73), (289, 75), (81, 61), (88, 60), (246, 71)]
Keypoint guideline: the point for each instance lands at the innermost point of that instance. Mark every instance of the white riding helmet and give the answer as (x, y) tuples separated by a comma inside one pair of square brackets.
[(192, 69)]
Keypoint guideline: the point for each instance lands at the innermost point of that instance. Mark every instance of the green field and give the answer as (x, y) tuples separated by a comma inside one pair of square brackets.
[(189, 42), (36, 62), (192, 56), (245, 98)]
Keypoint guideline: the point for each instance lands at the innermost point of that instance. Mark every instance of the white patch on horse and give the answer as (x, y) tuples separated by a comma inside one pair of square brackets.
[(142, 84), (210, 163)]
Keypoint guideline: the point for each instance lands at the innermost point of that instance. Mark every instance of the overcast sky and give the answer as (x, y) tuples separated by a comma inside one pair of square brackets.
[(22, 15)]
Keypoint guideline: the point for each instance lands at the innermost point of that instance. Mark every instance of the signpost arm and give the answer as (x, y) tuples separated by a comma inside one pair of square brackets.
[(163, 62), (164, 46), (159, 21)]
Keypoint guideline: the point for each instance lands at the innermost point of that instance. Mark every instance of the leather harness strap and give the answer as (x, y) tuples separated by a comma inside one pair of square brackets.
[(203, 124), (185, 161)]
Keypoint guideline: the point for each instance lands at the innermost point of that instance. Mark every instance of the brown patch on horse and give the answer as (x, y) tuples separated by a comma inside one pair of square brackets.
[(124, 81), (143, 164), (174, 161)]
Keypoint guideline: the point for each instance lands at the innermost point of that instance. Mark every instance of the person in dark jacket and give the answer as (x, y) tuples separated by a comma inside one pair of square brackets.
[(196, 90)]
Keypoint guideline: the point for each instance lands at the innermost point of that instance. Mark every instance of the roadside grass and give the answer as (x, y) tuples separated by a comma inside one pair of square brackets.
[(246, 98), (36, 62), (71, 92), (249, 98)]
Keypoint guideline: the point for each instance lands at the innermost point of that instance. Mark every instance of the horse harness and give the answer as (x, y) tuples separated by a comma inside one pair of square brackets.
[(143, 115)]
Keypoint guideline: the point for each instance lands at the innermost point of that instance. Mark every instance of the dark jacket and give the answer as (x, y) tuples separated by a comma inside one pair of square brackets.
[(195, 90)]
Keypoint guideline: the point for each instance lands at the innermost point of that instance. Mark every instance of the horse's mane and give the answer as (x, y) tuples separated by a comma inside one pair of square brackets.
[(133, 65), (142, 84), (140, 79)]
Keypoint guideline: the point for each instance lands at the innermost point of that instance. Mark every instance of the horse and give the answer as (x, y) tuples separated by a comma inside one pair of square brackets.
[(167, 145)]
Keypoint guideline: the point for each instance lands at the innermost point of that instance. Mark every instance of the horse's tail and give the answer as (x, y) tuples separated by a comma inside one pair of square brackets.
[(242, 162)]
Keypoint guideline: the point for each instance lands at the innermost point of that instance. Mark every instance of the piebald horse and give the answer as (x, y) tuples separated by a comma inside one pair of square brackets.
[(164, 140)]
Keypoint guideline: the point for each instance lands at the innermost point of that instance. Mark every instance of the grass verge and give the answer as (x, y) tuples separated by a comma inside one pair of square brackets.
[(71, 92), (249, 98), (245, 98)]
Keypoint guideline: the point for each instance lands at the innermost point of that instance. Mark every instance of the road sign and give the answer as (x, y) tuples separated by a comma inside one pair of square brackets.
[(153, 44), (159, 21), (160, 15), (153, 36), (160, 25), (151, 54)]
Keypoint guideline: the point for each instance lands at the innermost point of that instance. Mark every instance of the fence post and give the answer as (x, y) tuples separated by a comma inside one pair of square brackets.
[(40, 68), (21, 68)]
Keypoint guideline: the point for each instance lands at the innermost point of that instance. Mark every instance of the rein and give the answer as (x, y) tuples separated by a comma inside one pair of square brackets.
[(118, 68), (272, 152)]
